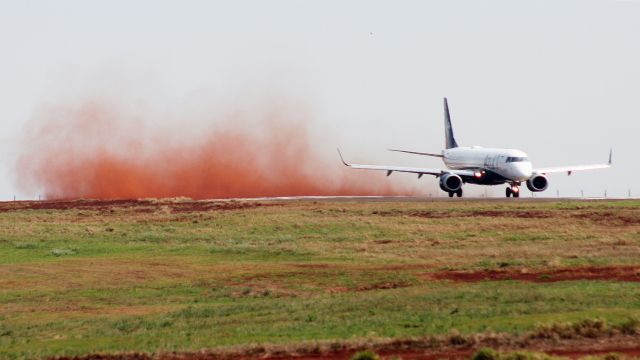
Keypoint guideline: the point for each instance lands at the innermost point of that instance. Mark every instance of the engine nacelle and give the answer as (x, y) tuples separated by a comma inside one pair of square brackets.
[(537, 183), (450, 182)]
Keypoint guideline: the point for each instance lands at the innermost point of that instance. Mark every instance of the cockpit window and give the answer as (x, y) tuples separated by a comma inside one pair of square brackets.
[(516, 159)]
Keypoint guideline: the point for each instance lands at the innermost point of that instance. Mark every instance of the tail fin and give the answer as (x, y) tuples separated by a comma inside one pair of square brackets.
[(449, 140)]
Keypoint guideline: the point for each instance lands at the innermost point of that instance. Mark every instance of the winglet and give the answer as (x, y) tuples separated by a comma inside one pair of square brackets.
[(341, 159), (610, 153)]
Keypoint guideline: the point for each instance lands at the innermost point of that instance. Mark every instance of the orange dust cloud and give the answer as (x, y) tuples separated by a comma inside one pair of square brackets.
[(94, 151)]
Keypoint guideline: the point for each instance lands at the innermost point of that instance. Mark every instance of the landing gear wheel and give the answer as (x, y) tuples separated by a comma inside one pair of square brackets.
[(459, 192), (508, 192), (451, 194), (516, 194)]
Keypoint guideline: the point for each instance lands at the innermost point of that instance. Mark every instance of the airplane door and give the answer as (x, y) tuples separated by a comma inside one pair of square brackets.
[(492, 161)]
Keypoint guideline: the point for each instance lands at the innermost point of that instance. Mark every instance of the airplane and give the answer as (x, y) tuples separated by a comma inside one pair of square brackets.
[(481, 166)]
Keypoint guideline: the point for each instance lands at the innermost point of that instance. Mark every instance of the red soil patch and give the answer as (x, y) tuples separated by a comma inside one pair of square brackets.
[(382, 286), (70, 204), (312, 266), (429, 214), (609, 218), (403, 354), (574, 349), (617, 218), (143, 206), (610, 273), (400, 267), (198, 206), (578, 353), (526, 214)]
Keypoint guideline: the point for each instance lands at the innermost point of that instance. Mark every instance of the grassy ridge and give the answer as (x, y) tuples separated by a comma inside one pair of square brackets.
[(148, 278)]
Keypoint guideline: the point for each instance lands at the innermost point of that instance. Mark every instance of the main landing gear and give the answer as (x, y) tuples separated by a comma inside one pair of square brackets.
[(459, 193), (513, 190)]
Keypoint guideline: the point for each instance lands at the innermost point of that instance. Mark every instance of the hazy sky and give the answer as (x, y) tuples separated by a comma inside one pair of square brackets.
[(557, 79)]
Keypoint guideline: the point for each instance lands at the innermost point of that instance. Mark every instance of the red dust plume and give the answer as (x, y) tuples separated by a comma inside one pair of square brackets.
[(93, 151)]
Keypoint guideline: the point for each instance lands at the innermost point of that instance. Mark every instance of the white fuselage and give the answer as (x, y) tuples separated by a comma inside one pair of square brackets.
[(480, 166), (511, 164)]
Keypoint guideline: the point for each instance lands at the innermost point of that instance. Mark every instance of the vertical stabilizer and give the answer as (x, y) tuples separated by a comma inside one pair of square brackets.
[(449, 140)]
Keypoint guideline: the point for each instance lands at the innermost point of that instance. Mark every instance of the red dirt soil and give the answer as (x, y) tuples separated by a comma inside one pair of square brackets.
[(618, 218), (144, 206), (611, 273), (528, 214), (574, 349)]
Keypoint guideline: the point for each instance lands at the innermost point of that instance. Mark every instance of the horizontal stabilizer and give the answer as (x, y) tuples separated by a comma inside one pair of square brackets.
[(416, 153)]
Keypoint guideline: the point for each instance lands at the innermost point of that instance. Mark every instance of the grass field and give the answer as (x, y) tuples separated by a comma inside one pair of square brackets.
[(154, 276)]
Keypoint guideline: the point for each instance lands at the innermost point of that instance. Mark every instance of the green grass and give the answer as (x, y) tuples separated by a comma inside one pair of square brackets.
[(75, 282)]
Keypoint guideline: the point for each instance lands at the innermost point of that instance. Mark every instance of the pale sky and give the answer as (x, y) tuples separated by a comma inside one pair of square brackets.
[(557, 79)]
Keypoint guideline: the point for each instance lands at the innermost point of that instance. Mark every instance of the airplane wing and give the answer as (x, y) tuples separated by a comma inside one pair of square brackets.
[(415, 170), (570, 169)]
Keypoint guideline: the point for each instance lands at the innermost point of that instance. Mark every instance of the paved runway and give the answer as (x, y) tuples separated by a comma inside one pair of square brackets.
[(421, 199)]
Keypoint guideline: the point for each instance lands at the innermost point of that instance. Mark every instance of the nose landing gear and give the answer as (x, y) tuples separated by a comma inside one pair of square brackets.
[(513, 190), (458, 193)]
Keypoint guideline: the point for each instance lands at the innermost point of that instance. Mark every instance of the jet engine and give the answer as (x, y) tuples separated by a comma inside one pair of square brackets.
[(450, 182), (538, 182)]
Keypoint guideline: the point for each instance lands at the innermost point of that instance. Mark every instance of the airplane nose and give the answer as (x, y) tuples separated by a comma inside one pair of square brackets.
[(522, 171)]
